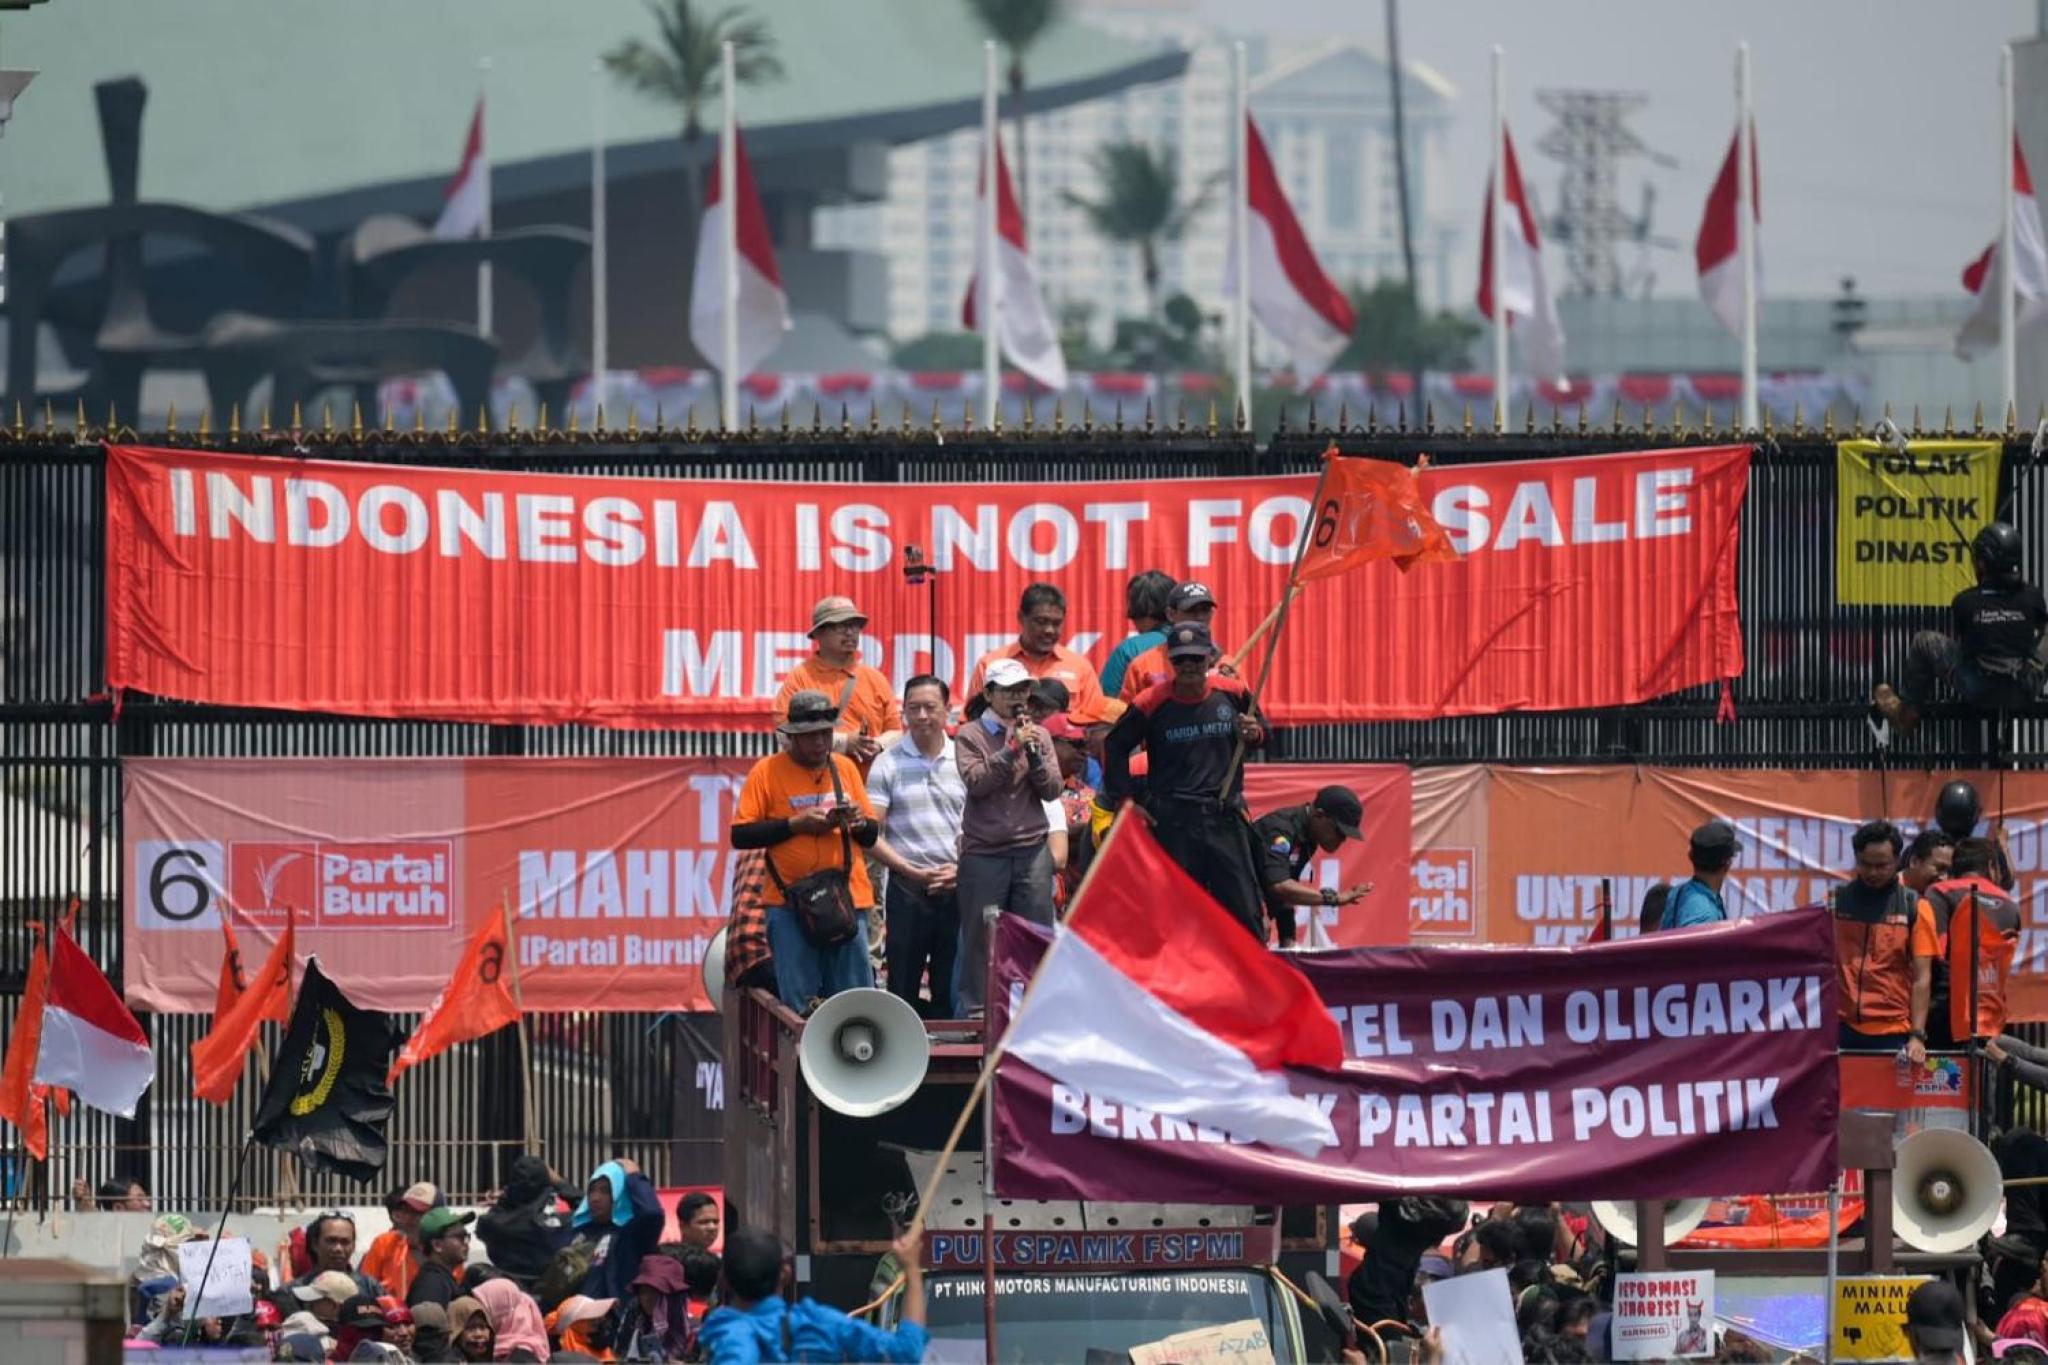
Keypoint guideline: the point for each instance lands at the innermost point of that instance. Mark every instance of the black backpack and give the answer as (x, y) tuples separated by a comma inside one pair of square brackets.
[(1651, 917)]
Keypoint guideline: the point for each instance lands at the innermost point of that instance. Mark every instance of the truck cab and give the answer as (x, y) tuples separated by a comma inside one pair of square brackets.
[(1069, 1278)]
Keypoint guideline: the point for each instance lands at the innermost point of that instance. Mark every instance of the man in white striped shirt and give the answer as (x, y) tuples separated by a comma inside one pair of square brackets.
[(918, 797)]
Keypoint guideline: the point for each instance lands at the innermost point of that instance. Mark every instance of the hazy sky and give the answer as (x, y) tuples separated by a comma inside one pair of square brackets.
[(1877, 120)]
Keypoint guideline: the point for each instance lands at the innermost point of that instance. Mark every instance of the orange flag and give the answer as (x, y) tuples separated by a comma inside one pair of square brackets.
[(232, 982), (217, 1058), (477, 999), (21, 1100), (1371, 509)]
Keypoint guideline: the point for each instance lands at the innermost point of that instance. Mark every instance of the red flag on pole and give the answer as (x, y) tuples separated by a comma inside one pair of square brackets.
[(218, 1057), (1370, 510), (477, 999)]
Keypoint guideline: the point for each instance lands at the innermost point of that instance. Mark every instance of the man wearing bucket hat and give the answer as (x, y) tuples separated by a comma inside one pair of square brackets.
[(870, 717), (807, 808)]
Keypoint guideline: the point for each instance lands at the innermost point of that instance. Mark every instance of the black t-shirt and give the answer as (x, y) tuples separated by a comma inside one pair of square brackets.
[(434, 1284), (1283, 844), (2000, 623), (1188, 745)]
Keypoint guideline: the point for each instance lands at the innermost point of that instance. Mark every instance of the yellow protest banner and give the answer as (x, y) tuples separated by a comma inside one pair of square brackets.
[(1870, 1316), (1904, 520)]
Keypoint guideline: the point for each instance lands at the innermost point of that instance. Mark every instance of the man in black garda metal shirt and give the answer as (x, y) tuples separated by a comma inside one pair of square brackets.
[(1189, 727)]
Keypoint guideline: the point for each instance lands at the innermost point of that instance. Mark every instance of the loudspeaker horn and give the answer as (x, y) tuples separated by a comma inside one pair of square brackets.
[(1945, 1190), (1681, 1216), (714, 970), (864, 1052)]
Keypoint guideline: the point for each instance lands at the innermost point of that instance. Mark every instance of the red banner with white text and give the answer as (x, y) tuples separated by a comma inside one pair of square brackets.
[(513, 597), (619, 868)]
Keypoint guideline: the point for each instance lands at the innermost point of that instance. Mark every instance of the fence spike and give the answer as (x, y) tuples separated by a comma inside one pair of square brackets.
[(906, 419), (1529, 418), (1977, 419), (1707, 422), (939, 426), (660, 417), (633, 420), (1916, 420), (1468, 418), (1343, 415), (597, 425), (785, 419), (387, 419), (1311, 412), (326, 418), (1244, 414), (1429, 417), (1212, 416), (512, 427), (846, 418), (1119, 414), (1678, 416), (1798, 418), (113, 418), (18, 429), (1856, 421), (454, 422), (1617, 417), (355, 425), (572, 417), (49, 417), (1149, 427), (170, 422), (1031, 414), (1582, 417), (298, 419), (1768, 433), (205, 425), (82, 423), (483, 420), (1827, 427), (1088, 415), (1948, 420), (1059, 418), (1372, 419), (817, 418), (1401, 416)]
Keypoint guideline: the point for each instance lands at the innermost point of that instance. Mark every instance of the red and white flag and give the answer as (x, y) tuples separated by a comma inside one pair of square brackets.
[(1155, 996), (763, 307), (90, 1042), (2030, 276), (1524, 289), (1291, 296), (1718, 251), (466, 202), (1024, 328)]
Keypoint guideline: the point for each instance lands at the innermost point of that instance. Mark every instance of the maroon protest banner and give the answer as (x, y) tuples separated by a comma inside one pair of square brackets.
[(1687, 1063)]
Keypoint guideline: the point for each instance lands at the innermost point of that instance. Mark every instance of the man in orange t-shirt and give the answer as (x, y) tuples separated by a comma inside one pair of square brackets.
[(1189, 602), (870, 716), (807, 808), (1041, 616)]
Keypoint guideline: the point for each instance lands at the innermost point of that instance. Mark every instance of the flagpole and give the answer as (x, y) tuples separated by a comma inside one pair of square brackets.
[(2008, 284), (213, 1248), (1240, 237), (1498, 244), (990, 275), (483, 164), (1745, 232), (728, 195), (510, 911), (600, 348)]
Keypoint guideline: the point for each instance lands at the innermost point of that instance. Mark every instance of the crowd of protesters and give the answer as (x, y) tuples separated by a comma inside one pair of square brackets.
[(932, 809), (567, 1273)]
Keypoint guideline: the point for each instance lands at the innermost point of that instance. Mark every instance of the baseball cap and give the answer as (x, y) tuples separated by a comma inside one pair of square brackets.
[(1341, 804), (1189, 639), (832, 611), (328, 1284), (1005, 673), (1716, 836), (440, 1220), (1060, 726), (363, 1313), (420, 1197), (576, 1308), (1190, 595), (1934, 1313)]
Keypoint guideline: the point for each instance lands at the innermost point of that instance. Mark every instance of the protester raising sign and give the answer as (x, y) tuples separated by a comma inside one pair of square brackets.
[(514, 597), (1685, 1063)]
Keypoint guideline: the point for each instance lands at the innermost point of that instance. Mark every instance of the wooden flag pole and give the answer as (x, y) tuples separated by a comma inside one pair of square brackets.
[(1279, 614), (519, 1003)]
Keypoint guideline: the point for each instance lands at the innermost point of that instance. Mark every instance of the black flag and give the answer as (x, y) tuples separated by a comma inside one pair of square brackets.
[(327, 1100)]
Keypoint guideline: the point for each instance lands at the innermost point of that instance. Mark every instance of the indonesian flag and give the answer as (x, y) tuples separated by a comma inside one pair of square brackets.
[(2030, 282), (764, 308), (217, 1058), (1023, 326), (1154, 996), (1718, 252), (1523, 288), (1371, 510), (1291, 296), (90, 1042), (476, 1001), (466, 202)]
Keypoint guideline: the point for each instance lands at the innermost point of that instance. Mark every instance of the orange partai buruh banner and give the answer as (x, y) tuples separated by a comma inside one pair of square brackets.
[(1531, 846)]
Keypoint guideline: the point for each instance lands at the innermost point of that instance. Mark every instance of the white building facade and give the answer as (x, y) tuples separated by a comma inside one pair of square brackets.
[(1325, 111)]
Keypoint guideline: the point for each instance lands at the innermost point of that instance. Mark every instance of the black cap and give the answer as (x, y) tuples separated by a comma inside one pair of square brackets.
[(1342, 805), (1189, 638), (1716, 836), (1934, 1314), (363, 1313), (1189, 595)]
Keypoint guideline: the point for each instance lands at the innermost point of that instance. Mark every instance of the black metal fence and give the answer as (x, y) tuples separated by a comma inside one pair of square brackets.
[(606, 1082)]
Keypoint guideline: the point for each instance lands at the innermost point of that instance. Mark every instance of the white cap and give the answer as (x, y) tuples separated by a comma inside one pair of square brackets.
[(1005, 673)]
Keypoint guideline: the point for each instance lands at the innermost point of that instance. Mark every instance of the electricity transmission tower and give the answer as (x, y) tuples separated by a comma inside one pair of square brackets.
[(1591, 137)]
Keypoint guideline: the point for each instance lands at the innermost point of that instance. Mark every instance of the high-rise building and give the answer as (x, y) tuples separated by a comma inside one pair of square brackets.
[(1323, 106)]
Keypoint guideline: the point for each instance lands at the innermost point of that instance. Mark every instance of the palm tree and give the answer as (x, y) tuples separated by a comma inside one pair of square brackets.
[(685, 69), (1016, 25), (1139, 205)]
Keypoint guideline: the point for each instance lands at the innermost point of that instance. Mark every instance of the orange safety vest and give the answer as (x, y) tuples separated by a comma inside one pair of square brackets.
[(1874, 963)]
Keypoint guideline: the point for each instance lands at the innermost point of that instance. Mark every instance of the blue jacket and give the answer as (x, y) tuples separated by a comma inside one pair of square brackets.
[(1694, 902), (637, 1219), (735, 1337)]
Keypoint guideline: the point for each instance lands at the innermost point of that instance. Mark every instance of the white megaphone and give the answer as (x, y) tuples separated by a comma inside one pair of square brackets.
[(714, 970), (1681, 1216), (1945, 1190), (864, 1052)]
